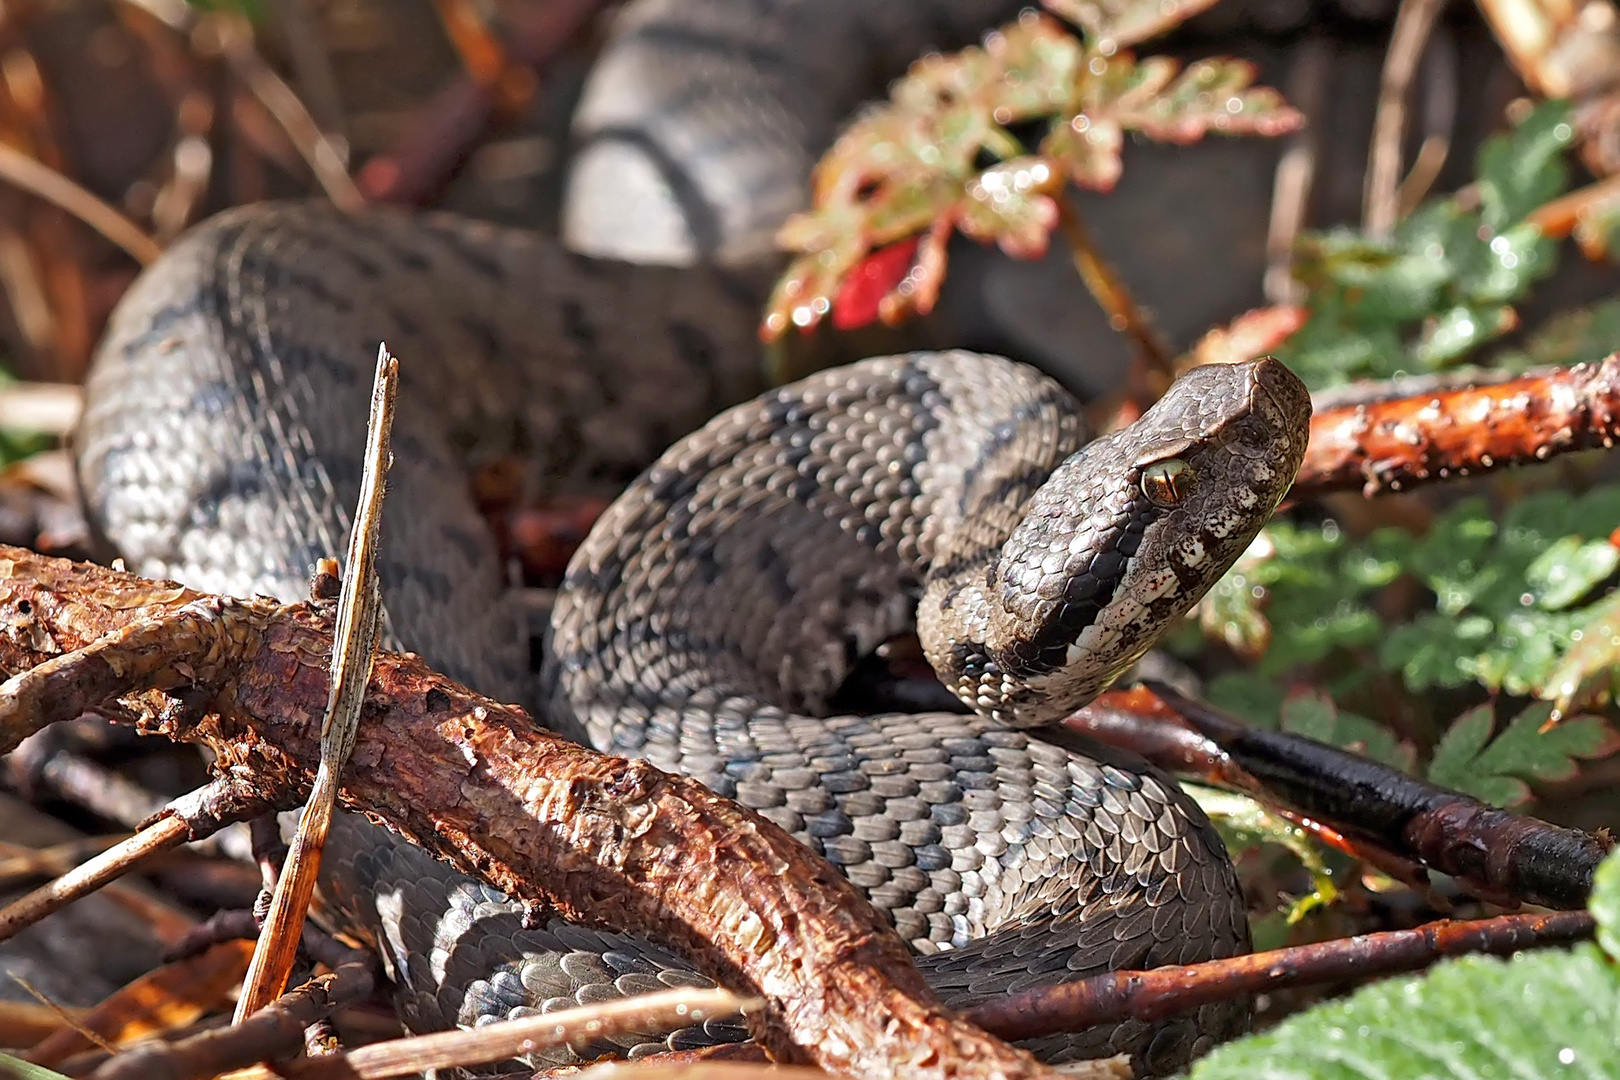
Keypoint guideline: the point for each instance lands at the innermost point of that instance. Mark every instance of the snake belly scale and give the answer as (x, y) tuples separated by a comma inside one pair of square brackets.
[(715, 608)]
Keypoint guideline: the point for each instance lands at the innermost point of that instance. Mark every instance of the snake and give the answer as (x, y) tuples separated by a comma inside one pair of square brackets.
[(708, 620)]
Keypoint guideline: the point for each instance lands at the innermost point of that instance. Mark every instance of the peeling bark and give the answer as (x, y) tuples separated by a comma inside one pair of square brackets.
[(611, 842)]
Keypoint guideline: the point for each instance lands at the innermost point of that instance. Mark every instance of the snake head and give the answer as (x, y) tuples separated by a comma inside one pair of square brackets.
[(1126, 536)]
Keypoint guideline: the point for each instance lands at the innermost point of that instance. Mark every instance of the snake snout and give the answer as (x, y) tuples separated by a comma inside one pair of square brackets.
[(1288, 399)]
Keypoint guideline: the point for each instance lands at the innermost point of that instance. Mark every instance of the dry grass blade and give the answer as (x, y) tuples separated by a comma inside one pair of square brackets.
[(171, 997), (50, 408), (1380, 203), (22, 171), (354, 651), (497, 1042), (234, 36), (166, 833)]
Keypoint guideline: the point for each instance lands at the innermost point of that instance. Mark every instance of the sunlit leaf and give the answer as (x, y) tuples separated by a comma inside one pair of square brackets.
[(1529, 748), (1540, 1014), (1126, 22), (1315, 716)]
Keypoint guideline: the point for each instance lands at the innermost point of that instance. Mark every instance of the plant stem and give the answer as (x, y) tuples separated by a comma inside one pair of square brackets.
[(1154, 368)]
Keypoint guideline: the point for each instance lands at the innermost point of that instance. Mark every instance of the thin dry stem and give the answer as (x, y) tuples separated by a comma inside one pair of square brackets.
[(510, 1038), (1154, 369), (49, 408), (22, 171), (18, 863), (1439, 118), (1380, 201), (354, 653), (1296, 173), (166, 833), (326, 159)]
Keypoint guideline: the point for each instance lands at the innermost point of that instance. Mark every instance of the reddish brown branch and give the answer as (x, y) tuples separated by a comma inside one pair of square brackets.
[(615, 843), (1149, 996), (1501, 856), (1403, 443)]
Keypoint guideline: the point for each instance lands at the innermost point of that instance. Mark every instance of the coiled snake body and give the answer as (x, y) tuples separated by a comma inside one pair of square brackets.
[(719, 603)]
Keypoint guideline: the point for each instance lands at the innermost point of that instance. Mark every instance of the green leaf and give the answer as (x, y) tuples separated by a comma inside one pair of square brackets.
[(1569, 338), (1125, 22), (1459, 331), (1494, 770), (1569, 569), (26, 1070), (1316, 716), (1443, 285), (1605, 904), (1520, 171), (1594, 652), (1245, 824), (1540, 1014)]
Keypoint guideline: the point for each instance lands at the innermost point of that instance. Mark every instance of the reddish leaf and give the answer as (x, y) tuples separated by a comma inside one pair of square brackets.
[(873, 278), (1254, 333)]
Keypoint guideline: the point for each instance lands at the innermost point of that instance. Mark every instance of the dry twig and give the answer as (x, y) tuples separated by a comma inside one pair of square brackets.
[(613, 843), (1380, 202), (510, 1038), (275, 1031), (353, 653), (22, 171), (170, 997), (1501, 856), (1403, 443), (1148, 996), (190, 817)]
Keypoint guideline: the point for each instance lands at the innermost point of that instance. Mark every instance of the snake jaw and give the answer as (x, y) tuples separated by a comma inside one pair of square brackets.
[(1098, 569)]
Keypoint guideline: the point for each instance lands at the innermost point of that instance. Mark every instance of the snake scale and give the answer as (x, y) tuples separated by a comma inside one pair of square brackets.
[(715, 609)]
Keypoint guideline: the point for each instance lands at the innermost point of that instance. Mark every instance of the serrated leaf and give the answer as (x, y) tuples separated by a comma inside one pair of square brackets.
[(1594, 651), (1459, 331), (1541, 1014), (1126, 22), (1432, 294), (1253, 334), (1495, 770), (1520, 171), (1147, 97), (915, 165), (1316, 716), (1432, 650), (1570, 568), (1011, 204), (1605, 904)]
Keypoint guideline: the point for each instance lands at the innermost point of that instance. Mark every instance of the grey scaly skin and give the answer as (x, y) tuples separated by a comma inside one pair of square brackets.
[(221, 446), (717, 605)]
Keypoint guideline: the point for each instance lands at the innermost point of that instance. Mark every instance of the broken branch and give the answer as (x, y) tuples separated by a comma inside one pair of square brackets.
[(614, 843)]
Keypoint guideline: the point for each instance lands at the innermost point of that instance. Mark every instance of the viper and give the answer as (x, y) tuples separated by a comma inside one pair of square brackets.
[(711, 616)]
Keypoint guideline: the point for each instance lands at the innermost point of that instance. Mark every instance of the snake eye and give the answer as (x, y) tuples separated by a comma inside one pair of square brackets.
[(1167, 482)]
